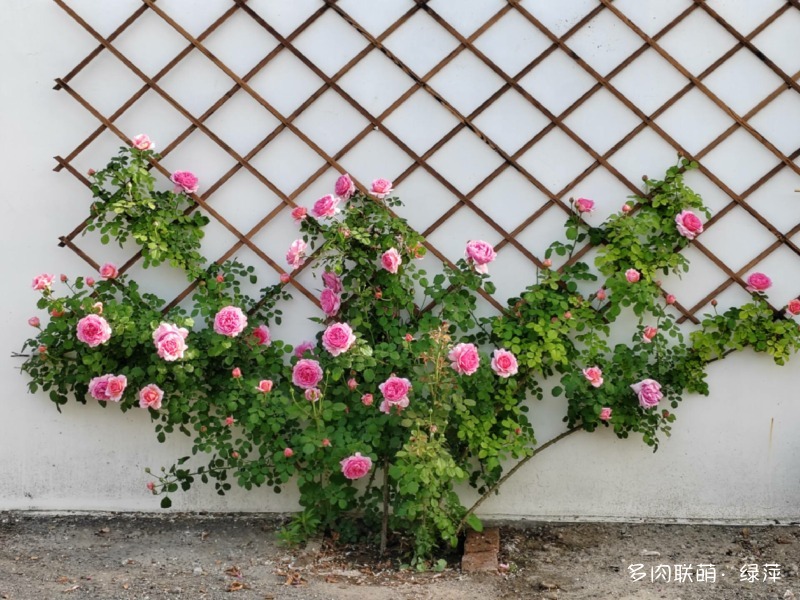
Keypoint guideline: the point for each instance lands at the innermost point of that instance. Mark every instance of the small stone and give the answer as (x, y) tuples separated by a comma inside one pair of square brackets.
[(197, 571), (651, 553)]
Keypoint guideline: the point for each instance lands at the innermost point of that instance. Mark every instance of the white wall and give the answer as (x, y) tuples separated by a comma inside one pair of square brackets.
[(734, 455)]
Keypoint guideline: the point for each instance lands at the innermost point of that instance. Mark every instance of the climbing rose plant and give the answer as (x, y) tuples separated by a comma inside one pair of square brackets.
[(406, 392)]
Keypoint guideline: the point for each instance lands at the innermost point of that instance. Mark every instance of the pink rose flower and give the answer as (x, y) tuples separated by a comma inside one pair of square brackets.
[(229, 421), (356, 466), (547, 263), (115, 387), (109, 271), (303, 348), (352, 384), (584, 205), (504, 363), (43, 282), (332, 281), (151, 486), (306, 373), (794, 306), (288, 452), (594, 375), (648, 334), (381, 188), (142, 142), (261, 333), (98, 308), (626, 208), (170, 341), (236, 373), (758, 282), (395, 388), (90, 281), (93, 330), (605, 413), (296, 254), (98, 387), (150, 396), (185, 181), (688, 224), (391, 261), (464, 359), (480, 254), (285, 278), (264, 386), (299, 214), (670, 299), (367, 399), (632, 275), (344, 187), (649, 392), (326, 442), (313, 394), (601, 294), (230, 321), (330, 302), (338, 338), (325, 207), (34, 322)]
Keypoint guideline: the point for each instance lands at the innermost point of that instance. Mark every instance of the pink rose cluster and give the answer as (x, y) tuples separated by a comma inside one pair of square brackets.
[(108, 387), (93, 330), (391, 260), (170, 341), (356, 466), (649, 392), (330, 299), (150, 396), (480, 254), (304, 347), (464, 359), (296, 256), (504, 363), (758, 282), (338, 338), (42, 282), (395, 393), (306, 373), (689, 224), (185, 181), (230, 321)]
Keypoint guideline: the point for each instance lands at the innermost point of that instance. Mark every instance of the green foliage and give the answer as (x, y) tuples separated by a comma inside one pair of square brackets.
[(233, 394), (162, 223)]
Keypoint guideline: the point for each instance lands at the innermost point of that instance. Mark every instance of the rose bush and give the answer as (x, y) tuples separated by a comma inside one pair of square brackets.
[(452, 388)]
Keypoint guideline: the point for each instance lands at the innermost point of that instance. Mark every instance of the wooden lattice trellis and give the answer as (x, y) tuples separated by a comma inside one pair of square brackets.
[(467, 45)]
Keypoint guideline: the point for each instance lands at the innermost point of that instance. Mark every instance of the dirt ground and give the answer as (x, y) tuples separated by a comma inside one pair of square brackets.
[(240, 558)]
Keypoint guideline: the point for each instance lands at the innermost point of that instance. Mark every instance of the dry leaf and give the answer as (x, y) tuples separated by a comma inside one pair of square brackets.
[(236, 586), (63, 579), (126, 586), (294, 578), (72, 589), (331, 579), (203, 536), (233, 571)]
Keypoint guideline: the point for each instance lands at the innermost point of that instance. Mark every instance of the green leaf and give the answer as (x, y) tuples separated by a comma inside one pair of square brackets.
[(474, 522), (166, 502)]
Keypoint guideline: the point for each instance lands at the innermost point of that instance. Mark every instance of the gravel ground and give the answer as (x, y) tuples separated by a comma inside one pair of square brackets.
[(239, 558)]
